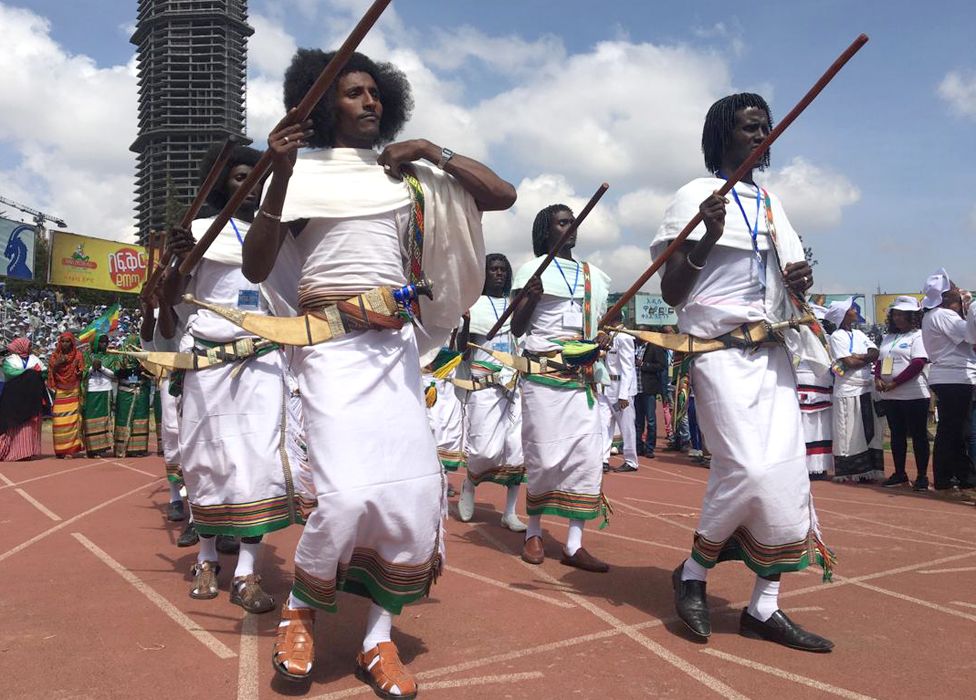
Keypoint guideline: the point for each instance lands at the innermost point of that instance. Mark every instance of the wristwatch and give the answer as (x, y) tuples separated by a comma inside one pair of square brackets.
[(446, 155)]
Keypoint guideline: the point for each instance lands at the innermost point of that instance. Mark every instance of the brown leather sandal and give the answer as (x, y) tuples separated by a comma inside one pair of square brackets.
[(382, 670), (294, 648), (205, 580), (246, 591)]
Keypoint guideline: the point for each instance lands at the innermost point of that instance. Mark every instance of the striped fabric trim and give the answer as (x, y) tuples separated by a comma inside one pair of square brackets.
[(820, 447), (66, 426), (98, 434), (506, 475), (139, 437), (174, 473), (814, 389), (245, 519), (367, 574), (814, 407), (763, 559), (452, 460), (574, 506)]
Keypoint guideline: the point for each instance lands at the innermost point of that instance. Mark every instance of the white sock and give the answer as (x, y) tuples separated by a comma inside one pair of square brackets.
[(693, 571), (534, 527), (765, 597), (174, 492), (246, 558), (512, 500), (208, 550), (295, 603), (379, 624), (574, 539)]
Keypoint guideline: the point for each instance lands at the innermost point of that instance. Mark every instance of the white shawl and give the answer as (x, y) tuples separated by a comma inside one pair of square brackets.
[(226, 247), (803, 345), (483, 316), (345, 183)]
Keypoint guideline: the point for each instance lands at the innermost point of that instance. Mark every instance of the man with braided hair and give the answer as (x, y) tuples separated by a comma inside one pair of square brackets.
[(341, 222), (744, 268), (233, 418), (562, 426)]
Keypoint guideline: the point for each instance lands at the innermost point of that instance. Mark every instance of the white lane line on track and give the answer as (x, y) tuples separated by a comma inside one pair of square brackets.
[(9, 483), (921, 499), (614, 535), (963, 603), (912, 530), (179, 617), (440, 685), (130, 467), (655, 648), (69, 521), (247, 664), (37, 504), (948, 571), (659, 622), (787, 675), (509, 587), (655, 516), (917, 601)]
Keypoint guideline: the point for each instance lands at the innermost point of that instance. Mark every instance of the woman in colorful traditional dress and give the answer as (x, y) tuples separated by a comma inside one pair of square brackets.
[(98, 398), (904, 390), (21, 403), (814, 387), (857, 438), (65, 370), (132, 407)]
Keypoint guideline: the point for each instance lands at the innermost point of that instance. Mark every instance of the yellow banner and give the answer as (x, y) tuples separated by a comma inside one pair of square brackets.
[(96, 263), (883, 301)]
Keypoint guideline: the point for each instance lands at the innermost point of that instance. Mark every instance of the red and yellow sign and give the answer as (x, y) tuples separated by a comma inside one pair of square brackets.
[(96, 263)]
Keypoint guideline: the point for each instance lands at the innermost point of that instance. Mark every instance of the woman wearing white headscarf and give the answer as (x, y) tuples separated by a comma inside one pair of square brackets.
[(858, 452), (949, 337), (904, 391)]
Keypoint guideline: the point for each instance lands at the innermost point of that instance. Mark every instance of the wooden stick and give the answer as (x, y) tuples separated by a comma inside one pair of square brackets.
[(155, 276), (741, 171), (303, 109), (601, 190)]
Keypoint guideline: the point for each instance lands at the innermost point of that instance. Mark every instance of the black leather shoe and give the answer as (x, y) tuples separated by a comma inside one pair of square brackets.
[(188, 537), (176, 512), (782, 630), (691, 604)]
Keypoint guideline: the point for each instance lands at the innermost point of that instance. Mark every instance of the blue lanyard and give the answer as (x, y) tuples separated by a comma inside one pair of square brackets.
[(234, 226), (850, 348), (572, 290), (753, 230), (491, 300)]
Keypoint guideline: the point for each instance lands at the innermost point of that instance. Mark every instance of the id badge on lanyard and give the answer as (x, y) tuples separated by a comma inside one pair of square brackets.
[(573, 318), (248, 299), (500, 345), (888, 365)]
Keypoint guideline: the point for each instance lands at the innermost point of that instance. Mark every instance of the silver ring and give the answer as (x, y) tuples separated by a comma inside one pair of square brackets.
[(286, 139), (806, 280)]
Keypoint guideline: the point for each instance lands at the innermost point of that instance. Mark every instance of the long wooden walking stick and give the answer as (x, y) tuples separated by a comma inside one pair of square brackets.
[(303, 109), (741, 171), (156, 275), (510, 309)]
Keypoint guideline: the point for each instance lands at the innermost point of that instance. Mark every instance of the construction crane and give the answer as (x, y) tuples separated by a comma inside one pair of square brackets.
[(39, 216)]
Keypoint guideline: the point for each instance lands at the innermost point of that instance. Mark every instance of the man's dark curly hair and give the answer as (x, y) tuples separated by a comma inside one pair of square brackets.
[(394, 88), (720, 123), (240, 155), (498, 257), (541, 227)]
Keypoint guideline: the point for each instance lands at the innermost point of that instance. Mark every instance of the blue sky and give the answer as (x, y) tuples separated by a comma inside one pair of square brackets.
[(875, 174)]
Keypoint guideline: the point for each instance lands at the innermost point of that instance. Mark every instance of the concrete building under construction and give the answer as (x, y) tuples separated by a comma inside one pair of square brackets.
[(191, 58)]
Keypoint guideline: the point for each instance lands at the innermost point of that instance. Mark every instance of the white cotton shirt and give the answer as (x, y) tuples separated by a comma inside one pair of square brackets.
[(100, 379), (345, 257), (621, 362), (554, 317), (224, 285), (949, 340), (857, 381), (725, 295), (902, 348)]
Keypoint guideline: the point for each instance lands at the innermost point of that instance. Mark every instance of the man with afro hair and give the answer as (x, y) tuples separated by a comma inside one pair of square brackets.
[(340, 220)]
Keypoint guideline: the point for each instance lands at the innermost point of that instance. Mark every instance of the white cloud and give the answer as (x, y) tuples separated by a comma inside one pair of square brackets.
[(71, 123), (270, 48), (958, 89), (814, 197), (509, 55)]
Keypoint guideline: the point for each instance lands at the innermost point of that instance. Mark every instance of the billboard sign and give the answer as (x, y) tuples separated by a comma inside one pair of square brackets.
[(17, 244), (96, 263)]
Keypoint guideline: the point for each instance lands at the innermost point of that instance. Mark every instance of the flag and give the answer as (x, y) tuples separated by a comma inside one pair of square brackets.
[(105, 324)]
